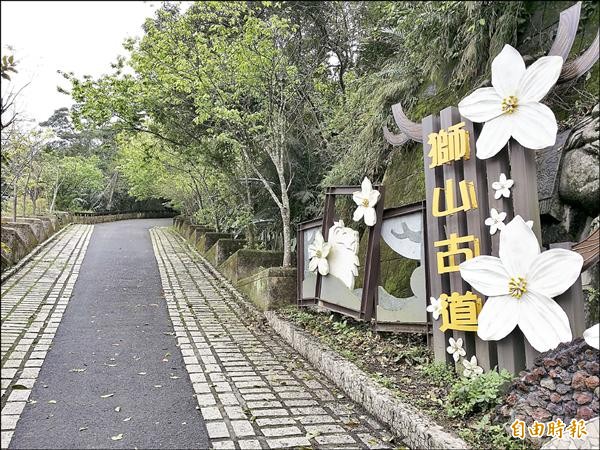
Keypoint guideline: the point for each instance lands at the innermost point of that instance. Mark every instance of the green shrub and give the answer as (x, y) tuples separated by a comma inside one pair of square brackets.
[(483, 434), (438, 373), (471, 395)]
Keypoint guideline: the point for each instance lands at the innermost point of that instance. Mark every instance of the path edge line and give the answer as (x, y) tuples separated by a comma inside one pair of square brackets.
[(28, 257), (409, 424)]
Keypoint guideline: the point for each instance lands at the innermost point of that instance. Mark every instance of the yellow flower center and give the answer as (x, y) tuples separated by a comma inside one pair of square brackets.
[(365, 202), (517, 287), (509, 104)]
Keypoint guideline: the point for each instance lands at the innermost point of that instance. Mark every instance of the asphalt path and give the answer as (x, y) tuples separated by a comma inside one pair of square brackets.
[(114, 377)]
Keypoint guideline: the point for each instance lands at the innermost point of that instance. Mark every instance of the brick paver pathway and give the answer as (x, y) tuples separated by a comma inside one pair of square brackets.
[(254, 391), (251, 388), (32, 305)]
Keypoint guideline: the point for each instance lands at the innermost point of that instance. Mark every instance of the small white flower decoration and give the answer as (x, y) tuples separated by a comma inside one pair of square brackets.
[(520, 285), (318, 251), (435, 308), (529, 223), (512, 106), (471, 370), (495, 221), (502, 187), (591, 336), (455, 348), (366, 199)]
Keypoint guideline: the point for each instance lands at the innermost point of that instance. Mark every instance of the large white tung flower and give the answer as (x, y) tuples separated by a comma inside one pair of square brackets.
[(366, 199), (512, 106), (520, 285), (592, 336), (318, 251)]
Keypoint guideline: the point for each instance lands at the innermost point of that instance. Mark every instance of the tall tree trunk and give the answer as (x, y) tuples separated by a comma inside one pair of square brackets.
[(25, 194), (285, 215), (15, 199), (54, 197)]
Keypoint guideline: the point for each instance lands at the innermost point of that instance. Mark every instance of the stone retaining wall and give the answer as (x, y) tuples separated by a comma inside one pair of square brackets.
[(270, 288), (23, 236)]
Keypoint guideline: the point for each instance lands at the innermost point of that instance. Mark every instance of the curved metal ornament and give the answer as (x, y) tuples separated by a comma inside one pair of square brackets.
[(567, 30), (394, 139), (581, 65), (563, 42), (413, 130)]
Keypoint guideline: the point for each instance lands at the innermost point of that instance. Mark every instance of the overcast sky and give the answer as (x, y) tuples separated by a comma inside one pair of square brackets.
[(83, 37)]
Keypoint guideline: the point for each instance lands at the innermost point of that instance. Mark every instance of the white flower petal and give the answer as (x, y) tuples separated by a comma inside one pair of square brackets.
[(505, 192), (497, 185), (534, 126), (497, 318), (502, 179), (358, 198), (370, 217), (325, 249), (554, 271), (543, 322), (366, 186), (508, 68), (494, 136), (459, 342), (374, 197), (323, 266), (498, 194), (359, 213), (508, 183), (452, 342), (539, 79), (456, 356), (313, 264), (482, 105), (489, 221), (591, 336), (518, 247), (501, 216), (486, 274)]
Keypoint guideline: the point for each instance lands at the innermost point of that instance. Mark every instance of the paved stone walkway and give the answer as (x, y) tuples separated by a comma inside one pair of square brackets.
[(33, 302), (254, 391), (155, 350)]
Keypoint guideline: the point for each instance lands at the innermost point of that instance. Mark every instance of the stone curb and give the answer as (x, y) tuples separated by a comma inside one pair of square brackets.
[(38, 248), (411, 426), (414, 428)]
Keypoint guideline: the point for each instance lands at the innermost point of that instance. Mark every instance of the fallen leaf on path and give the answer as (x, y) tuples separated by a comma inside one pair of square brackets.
[(126, 419), (158, 385), (83, 428), (106, 395), (77, 370), (141, 373), (173, 377), (20, 386), (118, 437), (118, 409), (52, 401)]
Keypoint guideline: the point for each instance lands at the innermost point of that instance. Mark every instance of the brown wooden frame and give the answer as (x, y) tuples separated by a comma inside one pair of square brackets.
[(405, 327), (371, 273)]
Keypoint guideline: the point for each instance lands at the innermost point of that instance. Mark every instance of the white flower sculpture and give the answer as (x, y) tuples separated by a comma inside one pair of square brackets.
[(591, 336), (520, 285), (471, 370), (502, 187), (455, 348), (366, 199), (435, 308), (512, 106), (318, 251), (495, 221)]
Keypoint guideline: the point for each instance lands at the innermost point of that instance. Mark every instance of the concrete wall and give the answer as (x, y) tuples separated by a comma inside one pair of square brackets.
[(23, 236), (101, 218), (257, 273), (270, 288)]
